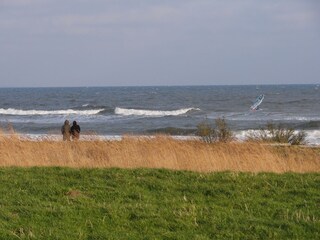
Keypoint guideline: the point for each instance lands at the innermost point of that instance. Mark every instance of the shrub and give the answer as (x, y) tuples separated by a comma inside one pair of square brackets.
[(206, 132), (221, 133), (278, 134)]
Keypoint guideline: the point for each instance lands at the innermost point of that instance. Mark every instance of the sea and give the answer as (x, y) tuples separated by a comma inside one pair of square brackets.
[(174, 110)]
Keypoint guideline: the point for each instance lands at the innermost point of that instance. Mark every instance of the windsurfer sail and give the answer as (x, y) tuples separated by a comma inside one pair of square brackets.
[(257, 102)]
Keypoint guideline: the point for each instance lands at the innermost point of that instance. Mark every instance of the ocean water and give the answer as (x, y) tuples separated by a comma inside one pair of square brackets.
[(111, 111)]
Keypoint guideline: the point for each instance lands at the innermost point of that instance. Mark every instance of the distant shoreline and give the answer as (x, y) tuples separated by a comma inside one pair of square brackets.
[(163, 86), (239, 137)]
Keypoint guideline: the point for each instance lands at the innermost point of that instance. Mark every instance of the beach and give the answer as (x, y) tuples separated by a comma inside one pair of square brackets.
[(159, 120)]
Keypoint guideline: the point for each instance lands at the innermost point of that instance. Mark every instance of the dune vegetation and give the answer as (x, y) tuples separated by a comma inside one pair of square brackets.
[(159, 152)]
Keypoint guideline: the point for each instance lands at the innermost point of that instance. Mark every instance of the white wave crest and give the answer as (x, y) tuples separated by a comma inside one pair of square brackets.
[(153, 113), (12, 111), (312, 136)]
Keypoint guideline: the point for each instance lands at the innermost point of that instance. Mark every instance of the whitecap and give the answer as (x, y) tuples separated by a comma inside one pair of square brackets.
[(154, 113), (312, 136), (20, 112)]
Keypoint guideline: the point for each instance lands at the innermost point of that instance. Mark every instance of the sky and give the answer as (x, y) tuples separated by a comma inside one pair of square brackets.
[(52, 43)]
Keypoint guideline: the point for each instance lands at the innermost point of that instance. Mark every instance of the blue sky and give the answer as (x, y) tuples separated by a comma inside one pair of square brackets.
[(45, 43)]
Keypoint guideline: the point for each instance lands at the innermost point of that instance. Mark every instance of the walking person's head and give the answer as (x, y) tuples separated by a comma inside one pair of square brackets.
[(74, 123), (66, 122)]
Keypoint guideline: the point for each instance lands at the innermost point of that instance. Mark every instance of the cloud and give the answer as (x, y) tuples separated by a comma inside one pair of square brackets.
[(103, 17), (135, 18), (296, 19), (21, 3), (297, 14), (141, 39)]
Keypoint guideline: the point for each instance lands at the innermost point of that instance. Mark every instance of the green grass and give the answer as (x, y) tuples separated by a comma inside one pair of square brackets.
[(62, 203)]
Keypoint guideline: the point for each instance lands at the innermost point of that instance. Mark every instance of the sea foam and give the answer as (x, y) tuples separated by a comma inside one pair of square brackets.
[(20, 112), (312, 138), (153, 113)]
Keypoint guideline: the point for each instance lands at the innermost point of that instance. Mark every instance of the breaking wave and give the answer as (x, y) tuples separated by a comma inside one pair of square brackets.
[(312, 136), (154, 113), (12, 111)]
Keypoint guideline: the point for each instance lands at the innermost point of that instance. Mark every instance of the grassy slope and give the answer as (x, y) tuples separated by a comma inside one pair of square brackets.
[(62, 203)]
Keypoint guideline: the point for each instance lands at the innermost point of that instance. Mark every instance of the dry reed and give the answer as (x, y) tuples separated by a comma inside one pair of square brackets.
[(159, 152)]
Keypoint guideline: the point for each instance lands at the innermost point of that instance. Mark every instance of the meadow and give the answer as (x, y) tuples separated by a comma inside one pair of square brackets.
[(157, 188), (68, 203)]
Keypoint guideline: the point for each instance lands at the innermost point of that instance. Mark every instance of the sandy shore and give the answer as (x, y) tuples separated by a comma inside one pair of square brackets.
[(95, 137)]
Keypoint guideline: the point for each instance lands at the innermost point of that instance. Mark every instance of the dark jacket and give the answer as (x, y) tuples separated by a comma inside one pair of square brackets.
[(75, 130)]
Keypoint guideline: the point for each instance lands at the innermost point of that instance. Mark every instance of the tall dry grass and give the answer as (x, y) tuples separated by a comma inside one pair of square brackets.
[(159, 152)]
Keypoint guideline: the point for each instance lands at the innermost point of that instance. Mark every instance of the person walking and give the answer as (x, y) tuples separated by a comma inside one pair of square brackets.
[(75, 131), (66, 131)]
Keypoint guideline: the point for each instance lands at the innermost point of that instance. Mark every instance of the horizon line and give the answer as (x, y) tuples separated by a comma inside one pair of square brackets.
[(191, 85)]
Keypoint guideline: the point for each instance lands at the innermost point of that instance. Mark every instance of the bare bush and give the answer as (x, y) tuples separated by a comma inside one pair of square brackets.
[(278, 134), (209, 134)]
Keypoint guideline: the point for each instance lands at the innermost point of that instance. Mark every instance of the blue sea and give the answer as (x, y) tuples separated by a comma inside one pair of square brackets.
[(175, 110)]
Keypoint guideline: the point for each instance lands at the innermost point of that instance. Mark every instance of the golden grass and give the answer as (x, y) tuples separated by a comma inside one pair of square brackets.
[(159, 152)]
